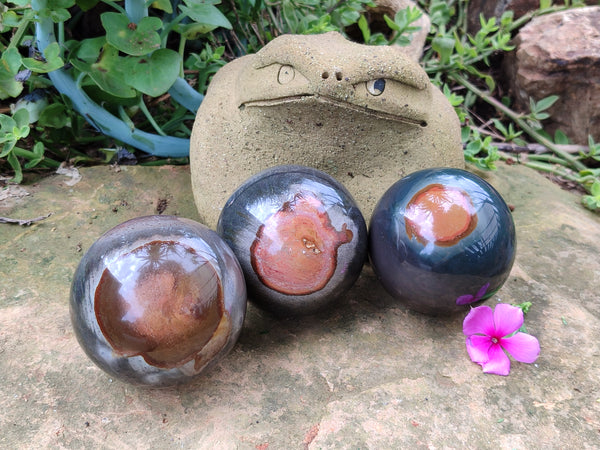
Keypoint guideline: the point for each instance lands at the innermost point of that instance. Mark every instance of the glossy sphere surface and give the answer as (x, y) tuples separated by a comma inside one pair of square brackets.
[(299, 236), (440, 239), (157, 299)]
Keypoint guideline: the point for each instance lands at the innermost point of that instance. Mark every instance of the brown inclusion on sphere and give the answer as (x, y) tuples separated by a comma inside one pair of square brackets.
[(440, 214), (295, 250), (164, 302)]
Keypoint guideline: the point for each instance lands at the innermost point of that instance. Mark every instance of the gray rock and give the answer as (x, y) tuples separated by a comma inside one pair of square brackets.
[(495, 9), (559, 54)]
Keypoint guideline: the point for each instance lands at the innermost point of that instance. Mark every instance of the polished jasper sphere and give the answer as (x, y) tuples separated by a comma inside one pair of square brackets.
[(440, 239), (157, 299), (299, 236)]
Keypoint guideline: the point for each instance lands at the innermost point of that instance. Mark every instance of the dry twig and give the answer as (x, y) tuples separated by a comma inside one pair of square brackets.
[(24, 222)]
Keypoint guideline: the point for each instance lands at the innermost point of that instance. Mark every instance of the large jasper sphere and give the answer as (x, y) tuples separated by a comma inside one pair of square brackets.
[(299, 236), (440, 239), (157, 299)]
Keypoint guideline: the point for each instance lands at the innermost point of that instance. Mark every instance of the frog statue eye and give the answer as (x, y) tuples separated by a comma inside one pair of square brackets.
[(376, 87), (286, 74)]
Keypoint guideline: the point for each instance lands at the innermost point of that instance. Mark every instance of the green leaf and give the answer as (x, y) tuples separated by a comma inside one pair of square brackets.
[(57, 10), (541, 116), (363, 26), (444, 46), (57, 4), (348, 16), (106, 73), (6, 123), (560, 138), (458, 45), (20, 2), (152, 75), (9, 19), (10, 63), (525, 307), (595, 189), (207, 16), (439, 13), (163, 5), (52, 60), (88, 50), (132, 39), (21, 118), (54, 116), (16, 166), (545, 103), (500, 127), (589, 201), (34, 104), (86, 5), (390, 23), (38, 151)]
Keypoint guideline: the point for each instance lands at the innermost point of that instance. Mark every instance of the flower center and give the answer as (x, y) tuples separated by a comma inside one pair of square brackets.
[(494, 340)]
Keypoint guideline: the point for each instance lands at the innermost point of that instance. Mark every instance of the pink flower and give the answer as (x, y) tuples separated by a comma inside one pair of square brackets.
[(492, 333)]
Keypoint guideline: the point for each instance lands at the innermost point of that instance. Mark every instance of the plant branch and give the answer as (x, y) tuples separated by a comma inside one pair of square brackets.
[(573, 162), (24, 222), (537, 148)]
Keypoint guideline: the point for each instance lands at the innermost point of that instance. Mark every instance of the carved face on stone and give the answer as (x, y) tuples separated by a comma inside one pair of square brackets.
[(367, 115)]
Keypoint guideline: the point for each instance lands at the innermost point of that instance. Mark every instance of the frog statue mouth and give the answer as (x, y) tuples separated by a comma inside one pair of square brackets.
[(329, 71)]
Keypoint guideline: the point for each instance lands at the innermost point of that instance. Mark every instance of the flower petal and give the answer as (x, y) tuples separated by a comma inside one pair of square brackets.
[(522, 346), (498, 363), (466, 299), (480, 320), (478, 347), (482, 290), (507, 319)]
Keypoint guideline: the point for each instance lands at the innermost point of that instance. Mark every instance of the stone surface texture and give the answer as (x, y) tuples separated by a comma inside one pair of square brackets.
[(309, 100), (559, 54), (495, 8), (369, 374)]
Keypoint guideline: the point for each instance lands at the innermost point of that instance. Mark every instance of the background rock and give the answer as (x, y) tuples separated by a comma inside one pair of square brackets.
[(496, 9), (559, 54)]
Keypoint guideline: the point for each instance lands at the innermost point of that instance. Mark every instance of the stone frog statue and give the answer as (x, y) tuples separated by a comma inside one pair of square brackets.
[(367, 115)]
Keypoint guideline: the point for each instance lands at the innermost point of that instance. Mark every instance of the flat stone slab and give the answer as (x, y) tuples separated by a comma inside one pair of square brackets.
[(370, 374)]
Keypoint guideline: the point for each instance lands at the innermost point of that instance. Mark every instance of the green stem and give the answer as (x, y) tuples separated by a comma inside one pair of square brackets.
[(156, 127), (29, 155), (518, 23), (570, 159), (543, 167), (164, 34), (432, 66), (115, 6), (16, 39), (548, 158), (61, 35), (182, 42)]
